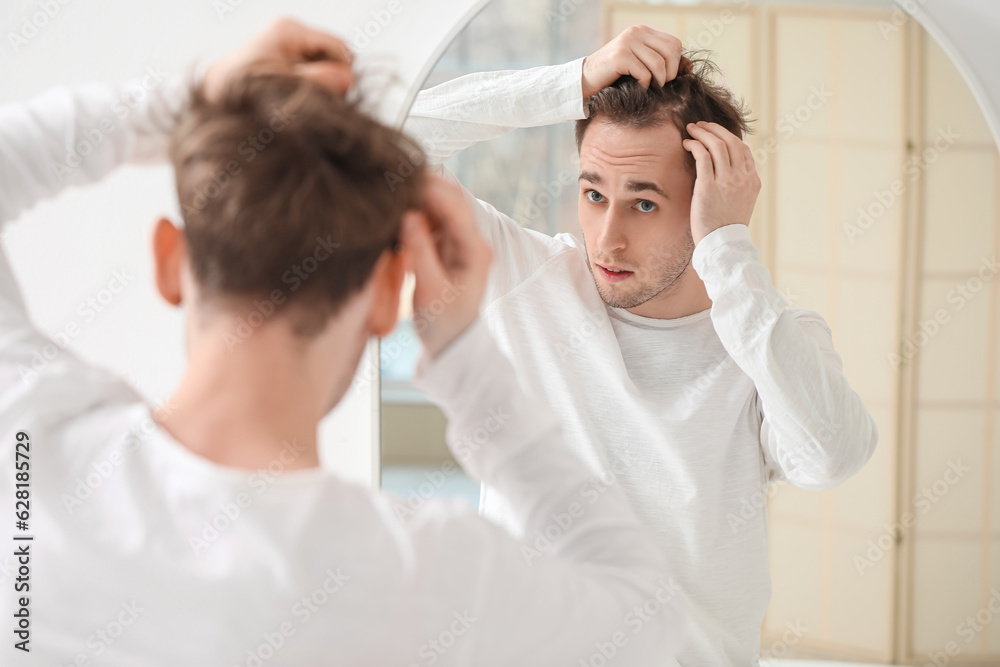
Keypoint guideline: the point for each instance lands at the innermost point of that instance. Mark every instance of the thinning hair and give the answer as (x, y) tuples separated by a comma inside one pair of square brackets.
[(692, 96)]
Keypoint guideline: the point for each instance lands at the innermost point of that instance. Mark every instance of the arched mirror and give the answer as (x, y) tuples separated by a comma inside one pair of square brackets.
[(878, 211)]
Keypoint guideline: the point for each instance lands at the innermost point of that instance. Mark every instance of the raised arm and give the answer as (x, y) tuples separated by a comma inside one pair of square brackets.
[(816, 433), (76, 136), (61, 138), (454, 115)]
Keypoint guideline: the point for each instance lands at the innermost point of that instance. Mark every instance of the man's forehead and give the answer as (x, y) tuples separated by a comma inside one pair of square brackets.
[(614, 151), (604, 131)]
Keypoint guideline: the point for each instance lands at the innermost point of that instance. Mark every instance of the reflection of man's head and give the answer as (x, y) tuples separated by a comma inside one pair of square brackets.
[(636, 178)]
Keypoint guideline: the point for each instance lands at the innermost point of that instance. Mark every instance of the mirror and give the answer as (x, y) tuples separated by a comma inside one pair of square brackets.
[(878, 211)]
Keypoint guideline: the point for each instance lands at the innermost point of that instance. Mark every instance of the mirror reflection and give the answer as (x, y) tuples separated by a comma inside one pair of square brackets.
[(804, 409)]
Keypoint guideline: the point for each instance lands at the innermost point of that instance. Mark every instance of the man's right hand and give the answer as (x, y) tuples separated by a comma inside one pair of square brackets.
[(450, 261), (306, 51), (641, 52)]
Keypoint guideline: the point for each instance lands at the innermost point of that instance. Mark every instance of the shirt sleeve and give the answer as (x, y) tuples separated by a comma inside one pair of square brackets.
[(815, 431), (519, 251), (586, 569), (69, 137), (454, 115)]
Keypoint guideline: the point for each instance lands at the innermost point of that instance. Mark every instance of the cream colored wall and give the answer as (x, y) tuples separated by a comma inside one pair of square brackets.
[(847, 267), (953, 555)]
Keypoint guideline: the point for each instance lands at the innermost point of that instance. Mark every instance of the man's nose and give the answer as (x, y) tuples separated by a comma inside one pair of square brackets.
[(612, 235)]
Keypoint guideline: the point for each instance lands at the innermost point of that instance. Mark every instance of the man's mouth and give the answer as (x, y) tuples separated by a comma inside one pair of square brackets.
[(613, 274)]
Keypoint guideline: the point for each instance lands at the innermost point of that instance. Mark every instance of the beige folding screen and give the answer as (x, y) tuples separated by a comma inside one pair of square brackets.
[(838, 234), (880, 184), (950, 594)]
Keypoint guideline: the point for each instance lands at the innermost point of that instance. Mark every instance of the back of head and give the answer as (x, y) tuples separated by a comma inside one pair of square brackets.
[(692, 96), (290, 193)]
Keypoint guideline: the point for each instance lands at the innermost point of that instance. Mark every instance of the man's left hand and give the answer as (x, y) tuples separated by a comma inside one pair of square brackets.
[(727, 184)]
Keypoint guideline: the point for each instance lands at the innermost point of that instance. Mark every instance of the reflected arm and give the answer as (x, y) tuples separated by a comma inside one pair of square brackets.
[(815, 431), (454, 115)]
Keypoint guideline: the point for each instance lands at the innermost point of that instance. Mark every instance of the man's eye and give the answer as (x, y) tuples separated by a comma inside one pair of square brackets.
[(594, 196), (647, 206)]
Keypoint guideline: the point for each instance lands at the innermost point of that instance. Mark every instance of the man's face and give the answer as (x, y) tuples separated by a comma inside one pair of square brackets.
[(635, 210)]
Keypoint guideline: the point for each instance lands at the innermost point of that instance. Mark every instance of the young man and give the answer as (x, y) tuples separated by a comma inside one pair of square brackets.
[(205, 533), (657, 337)]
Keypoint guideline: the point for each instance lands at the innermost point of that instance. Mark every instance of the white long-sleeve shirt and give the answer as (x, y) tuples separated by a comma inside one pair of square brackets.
[(694, 416), (145, 553)]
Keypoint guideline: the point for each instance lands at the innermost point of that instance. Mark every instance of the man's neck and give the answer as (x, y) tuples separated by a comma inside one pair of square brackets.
[(248, 407), (686, 296)]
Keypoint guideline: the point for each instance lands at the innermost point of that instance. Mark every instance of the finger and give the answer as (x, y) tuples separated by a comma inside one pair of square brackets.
[(445, 203), (702, 159), (653, 61), (751, 163), (716, 146), (451, 215), (338, 77), (415, 237), (669, 47), (308, 44), (734, 144), (685, 66), (638, 70)]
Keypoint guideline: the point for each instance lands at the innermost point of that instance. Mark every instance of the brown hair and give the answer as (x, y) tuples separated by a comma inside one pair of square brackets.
[(289, 189), (690, 97)]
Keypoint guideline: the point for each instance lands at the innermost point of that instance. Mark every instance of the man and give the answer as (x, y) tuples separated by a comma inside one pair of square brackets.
[(657, 337), (205, 533)]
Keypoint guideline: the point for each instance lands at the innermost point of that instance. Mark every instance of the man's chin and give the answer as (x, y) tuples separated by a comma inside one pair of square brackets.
[(617, 298)]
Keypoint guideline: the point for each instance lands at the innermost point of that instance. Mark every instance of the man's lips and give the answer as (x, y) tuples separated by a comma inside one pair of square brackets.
[(612, 273)]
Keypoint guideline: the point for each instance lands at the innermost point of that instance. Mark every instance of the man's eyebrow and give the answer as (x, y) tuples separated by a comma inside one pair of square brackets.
[(631, 186), (639, 186)]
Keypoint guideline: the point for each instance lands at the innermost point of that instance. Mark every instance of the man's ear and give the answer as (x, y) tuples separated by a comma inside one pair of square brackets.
[(387, 276), (169, 252)]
